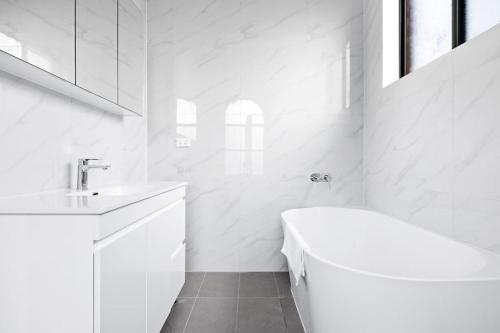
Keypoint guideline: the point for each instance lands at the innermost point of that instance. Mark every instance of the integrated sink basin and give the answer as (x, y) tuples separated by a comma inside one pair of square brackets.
[(98, 200), (112, 191)]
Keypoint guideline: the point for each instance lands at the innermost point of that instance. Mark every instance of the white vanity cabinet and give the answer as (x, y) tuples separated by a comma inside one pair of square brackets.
[(95, 265), (166, 262), (120, 282), (138, 273)]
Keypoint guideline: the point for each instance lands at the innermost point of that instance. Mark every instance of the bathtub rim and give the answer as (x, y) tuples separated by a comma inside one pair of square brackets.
[(319, 258)]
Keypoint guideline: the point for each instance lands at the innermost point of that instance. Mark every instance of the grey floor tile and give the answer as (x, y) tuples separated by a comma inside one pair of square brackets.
[(258, 285), (192, 285), (220, 285), (292, 319), (213, 315), (178, 317), (283, 280), (260, 315)]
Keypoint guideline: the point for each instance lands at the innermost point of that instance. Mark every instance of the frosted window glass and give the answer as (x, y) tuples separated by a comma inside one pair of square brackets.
[(428, 31), (480, 15)]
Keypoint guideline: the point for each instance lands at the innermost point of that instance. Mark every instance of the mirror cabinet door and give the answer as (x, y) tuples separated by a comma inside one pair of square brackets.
[(40, 33), (131, 55), (96, 47)]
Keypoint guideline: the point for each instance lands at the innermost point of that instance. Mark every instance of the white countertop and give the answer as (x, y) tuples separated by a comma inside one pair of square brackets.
[(70, 202)]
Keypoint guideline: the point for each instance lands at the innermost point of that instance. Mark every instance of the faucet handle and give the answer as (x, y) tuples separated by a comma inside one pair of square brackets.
[(315, 177), (85, 160)]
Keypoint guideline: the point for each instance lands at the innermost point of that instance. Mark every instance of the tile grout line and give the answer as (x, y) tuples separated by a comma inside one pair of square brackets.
[(276, 285), (194, 303), (281, 303), (238, 302)]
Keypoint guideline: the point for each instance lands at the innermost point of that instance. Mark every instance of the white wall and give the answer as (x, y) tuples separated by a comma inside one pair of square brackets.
[(432, 139), (42, 134), (285, 59)]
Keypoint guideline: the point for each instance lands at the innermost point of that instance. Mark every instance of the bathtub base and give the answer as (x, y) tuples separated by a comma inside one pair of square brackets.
[(299, 294), (342, 301), (330, 300)]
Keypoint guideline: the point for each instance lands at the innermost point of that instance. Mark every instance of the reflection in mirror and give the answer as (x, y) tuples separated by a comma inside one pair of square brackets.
[(131, 55), (96, 47), (10, 45), (40, 33), (244, 138)]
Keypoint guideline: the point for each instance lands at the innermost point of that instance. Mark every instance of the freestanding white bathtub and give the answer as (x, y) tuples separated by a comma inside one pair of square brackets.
[(369, 273)]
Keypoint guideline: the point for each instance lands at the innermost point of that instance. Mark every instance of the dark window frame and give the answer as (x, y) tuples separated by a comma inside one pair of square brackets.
[(459, 24), (402, 38), (458, 31)]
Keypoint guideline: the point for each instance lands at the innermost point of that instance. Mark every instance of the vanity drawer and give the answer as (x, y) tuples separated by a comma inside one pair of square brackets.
[(116, 220), (166, 266), (139, 271), (164, 287), (120, 282)]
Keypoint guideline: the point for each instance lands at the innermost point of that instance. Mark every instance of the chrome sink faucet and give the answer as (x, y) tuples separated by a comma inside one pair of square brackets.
[(83, 172)]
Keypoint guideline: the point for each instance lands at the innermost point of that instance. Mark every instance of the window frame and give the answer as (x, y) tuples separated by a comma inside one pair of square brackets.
[(458, 31)]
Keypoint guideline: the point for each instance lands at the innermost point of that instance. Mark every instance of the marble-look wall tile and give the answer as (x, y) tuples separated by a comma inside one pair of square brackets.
[(431, 138), (277, 92), (477, 139), (42, 134)]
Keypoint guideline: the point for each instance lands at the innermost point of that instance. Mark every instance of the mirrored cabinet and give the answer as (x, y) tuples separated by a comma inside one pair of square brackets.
[(96, 47), (90, 50), (131, 50), (40, 33)]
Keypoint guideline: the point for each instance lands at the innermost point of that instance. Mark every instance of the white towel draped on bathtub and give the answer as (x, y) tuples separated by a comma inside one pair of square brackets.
[(294, 248)]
